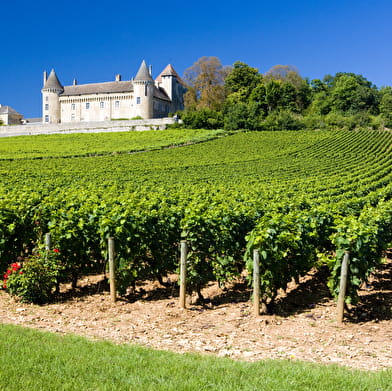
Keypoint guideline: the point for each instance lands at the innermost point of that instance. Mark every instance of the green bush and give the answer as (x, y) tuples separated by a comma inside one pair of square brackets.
[(236, 117), (282, 120), (338, 121), (376, 122), (34, 281), (203, 119), (314, 121)]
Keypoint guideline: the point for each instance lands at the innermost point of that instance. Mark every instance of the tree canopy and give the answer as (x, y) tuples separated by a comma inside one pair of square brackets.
[(205, 80), (241, 97)]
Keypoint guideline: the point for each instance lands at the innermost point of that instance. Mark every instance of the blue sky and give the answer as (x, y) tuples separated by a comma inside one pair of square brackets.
[(94, 40)]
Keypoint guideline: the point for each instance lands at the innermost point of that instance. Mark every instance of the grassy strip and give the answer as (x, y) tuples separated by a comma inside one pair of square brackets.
[(97, 144), (33, 360)]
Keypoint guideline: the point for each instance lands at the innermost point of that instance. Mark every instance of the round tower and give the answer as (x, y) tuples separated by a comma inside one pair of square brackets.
[(51, 113), (143, 91)]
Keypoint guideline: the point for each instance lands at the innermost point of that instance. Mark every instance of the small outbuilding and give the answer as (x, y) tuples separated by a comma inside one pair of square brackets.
[(9, 116)]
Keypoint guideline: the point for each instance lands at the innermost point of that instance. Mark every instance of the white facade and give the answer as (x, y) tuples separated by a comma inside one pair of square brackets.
[(141, 97)]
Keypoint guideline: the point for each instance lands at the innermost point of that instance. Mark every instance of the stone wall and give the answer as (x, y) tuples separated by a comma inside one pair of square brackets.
[(87, 127)]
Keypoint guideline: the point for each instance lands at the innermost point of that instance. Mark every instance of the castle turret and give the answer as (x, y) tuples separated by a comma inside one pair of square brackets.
[(50, 98), (174, 87), (143, 89)]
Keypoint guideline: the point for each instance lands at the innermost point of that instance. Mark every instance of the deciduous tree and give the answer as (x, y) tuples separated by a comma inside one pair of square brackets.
[(242, 77), (206, 84)]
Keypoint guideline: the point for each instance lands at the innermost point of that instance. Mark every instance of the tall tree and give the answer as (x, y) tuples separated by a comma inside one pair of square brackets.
[(287, 73), (206, 84), (243, 78), (353, 93), (296, 91)]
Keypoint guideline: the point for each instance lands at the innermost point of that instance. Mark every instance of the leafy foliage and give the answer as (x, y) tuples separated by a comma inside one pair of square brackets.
[(282, 99), (299, 197), (36, 280)]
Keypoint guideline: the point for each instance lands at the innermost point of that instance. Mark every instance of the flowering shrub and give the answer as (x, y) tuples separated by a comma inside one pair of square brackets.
[(14, 268), (34, 281)]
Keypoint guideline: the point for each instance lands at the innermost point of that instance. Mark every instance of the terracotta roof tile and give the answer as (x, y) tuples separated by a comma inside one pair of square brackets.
[(169, 71)]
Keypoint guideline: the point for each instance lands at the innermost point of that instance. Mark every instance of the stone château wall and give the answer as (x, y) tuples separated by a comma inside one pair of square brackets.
[(86, 127)]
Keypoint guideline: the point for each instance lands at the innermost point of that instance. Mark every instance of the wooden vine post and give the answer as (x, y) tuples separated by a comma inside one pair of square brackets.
[(184, 254), (256, 282), (48, 241), (112, 270), (343, 286)]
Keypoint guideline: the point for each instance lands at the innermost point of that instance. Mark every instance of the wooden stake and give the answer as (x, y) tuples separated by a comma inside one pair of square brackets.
[(343, 286), (256, 282), (184, 253), (112, 270), (48, 241)]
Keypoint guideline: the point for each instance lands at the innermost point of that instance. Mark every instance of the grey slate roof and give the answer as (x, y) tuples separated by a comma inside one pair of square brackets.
[(8, 110), (53, 81), (98, 88), (160, 94), (108, 88), (143, 73)]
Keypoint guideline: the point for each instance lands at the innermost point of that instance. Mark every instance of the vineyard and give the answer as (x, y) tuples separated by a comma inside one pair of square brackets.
[(301, 198)]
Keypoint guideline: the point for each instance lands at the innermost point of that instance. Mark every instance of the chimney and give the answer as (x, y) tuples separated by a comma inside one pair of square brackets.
[(150, 70), (75, 82), (45, 77), (118, 77)]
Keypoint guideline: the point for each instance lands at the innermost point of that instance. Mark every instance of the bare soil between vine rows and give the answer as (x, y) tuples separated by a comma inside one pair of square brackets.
[(303, 326)]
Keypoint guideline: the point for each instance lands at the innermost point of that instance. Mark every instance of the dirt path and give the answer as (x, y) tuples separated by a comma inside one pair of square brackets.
[(304, 327)]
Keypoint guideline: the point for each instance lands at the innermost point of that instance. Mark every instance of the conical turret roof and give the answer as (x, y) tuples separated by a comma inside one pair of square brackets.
[(53, 81), (143, 73)]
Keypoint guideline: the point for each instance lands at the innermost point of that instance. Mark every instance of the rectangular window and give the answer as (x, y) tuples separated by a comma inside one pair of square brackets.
[(117, 104), (46, 118), (46, 106), (101, 105), (138, 100), (73, 106), (87, 105), (73, 117), (47, 98)]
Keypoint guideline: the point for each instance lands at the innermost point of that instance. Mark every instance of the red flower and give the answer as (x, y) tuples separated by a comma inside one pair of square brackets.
[(56, 250)]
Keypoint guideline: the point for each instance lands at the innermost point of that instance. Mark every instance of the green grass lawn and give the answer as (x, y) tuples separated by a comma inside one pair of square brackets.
[(33, 360)]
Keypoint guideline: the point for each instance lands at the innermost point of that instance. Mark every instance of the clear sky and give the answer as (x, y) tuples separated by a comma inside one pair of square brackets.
[(94, 40)]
